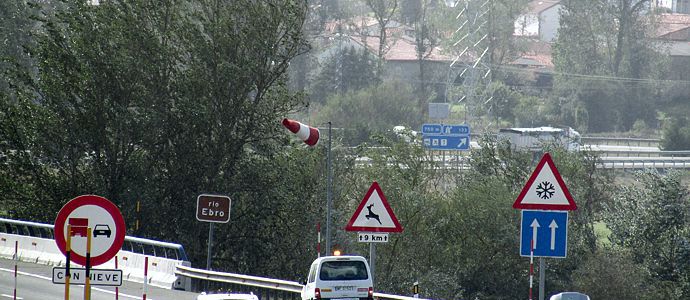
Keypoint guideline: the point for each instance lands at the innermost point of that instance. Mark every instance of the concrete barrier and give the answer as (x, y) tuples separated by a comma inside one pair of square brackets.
[(161, 272)]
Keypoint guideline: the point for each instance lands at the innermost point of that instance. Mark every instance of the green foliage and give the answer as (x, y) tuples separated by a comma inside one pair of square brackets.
[(277, 201), (463, 220), (676, 134), (530, 112), (615, 65), (372, 109), (611, 274), (156, 102), (502, 103), (650, 220), (159, 101), (348, 70), (15, 35), (499, 28)]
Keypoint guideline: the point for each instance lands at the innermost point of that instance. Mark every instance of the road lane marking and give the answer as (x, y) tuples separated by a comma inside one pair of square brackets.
[(51, 279), (11, 297)]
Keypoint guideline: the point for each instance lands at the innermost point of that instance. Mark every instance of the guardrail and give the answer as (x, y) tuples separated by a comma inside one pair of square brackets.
[(44, 250), (289, 289), (645, 163), (631, 142)]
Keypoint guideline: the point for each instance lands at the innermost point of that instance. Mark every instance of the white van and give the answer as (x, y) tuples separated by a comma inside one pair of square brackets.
[(569, 296), (339, 277), (205, 296)]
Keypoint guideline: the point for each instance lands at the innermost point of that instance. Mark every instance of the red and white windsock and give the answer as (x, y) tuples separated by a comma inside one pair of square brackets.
[(309, 135)]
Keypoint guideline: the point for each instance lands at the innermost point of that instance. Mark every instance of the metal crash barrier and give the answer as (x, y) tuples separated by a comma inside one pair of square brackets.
[(36, 245), (265, 288)]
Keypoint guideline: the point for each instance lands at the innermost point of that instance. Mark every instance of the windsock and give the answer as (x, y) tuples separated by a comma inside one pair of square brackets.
[(309, 135)]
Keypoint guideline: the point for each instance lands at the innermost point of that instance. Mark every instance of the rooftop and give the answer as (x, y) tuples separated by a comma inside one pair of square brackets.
[(538, 6), (669, 23)]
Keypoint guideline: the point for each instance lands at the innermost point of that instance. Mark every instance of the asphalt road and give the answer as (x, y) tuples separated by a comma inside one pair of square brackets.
[(34, 282)]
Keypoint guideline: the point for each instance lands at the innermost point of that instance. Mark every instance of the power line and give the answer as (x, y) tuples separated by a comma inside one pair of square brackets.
[(515, 69), (593, 77)]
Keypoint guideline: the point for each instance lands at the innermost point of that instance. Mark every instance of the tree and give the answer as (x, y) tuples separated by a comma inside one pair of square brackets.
[(676, 134), (650, 220), (348, 70), (426, 39), (481, 40), (370, 110), (598, 278), (383, 10), (608, 65), (16, 24), (154, 102)]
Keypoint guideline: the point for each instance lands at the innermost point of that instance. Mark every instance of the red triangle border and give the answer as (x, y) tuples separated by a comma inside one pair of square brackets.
[(374, 187), (546, 159)]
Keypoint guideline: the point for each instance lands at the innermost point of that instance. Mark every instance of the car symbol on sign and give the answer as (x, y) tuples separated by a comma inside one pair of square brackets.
[(101, 229)]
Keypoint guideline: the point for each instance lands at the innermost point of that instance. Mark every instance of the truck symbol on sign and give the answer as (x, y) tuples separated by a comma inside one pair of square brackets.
[(79, 226)]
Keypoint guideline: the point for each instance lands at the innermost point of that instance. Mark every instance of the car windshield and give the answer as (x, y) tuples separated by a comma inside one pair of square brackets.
[(343, 270)]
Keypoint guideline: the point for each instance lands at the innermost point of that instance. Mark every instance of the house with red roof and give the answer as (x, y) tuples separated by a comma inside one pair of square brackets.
[(400, 56), (673, 30)]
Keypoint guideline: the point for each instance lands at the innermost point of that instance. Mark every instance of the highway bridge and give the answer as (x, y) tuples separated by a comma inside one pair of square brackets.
[(614, 153), (31, 247)]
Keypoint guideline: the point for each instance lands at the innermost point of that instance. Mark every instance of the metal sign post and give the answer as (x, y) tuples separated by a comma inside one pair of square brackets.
[(87, 278), (377, 220), (212, 209), (544, 203), (68, 249), (542, 278), (372, 260), (329, 192), (210, 244)]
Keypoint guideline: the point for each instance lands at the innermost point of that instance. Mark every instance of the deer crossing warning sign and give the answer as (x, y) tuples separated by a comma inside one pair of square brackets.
[(374, 214)]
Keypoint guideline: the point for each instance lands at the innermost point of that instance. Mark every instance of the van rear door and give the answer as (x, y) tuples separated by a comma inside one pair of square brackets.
[(344, 279)]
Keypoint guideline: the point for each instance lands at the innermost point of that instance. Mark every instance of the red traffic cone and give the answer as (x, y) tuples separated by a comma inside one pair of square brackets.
[(309, 135)]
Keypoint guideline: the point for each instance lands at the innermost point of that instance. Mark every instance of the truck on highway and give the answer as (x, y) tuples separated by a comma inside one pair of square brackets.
[(534, 139)]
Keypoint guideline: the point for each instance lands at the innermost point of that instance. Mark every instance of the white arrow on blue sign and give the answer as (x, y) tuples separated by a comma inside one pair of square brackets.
[(546, 230), (456, 129), (446, 142), (446, 137)]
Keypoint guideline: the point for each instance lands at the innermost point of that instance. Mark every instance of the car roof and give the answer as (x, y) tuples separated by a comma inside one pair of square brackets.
[(340, 257), (569, 295), (227, 297)]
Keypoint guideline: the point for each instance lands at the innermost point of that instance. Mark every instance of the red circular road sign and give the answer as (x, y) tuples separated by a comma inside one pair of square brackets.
[(107, 229)]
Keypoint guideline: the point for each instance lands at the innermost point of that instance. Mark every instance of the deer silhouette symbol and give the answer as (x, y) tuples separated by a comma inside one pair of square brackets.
[(371, 214)]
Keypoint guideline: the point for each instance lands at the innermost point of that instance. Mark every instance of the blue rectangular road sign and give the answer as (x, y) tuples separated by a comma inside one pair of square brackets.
[(432, 128), (547, 229), (446, 142), (456, 129)]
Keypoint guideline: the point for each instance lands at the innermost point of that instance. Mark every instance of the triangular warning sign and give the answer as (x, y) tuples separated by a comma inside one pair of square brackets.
[(545, 189), (378, 215)]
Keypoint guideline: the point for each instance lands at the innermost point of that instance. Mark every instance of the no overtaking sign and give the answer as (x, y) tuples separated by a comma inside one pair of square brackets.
[(97, 213)]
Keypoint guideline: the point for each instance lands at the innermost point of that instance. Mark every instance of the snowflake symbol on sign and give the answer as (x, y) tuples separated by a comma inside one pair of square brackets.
[(545, 190)]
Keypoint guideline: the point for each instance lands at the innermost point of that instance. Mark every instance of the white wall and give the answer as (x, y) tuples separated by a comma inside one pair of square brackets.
[(527, 25), (548, 23)]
